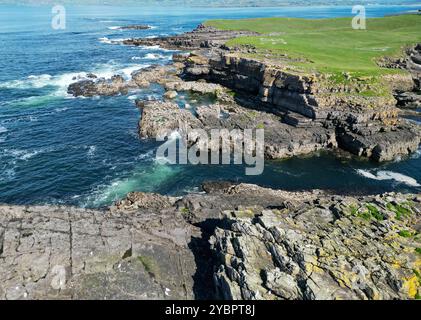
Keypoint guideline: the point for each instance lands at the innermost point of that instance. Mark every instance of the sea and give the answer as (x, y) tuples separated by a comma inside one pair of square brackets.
[(86, 152)]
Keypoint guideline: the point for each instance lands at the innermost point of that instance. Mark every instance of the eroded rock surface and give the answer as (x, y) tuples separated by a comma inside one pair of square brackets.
[(67, 253), (320, 248)]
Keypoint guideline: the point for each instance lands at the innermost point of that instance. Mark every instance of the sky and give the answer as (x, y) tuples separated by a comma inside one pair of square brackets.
[(213, 3)]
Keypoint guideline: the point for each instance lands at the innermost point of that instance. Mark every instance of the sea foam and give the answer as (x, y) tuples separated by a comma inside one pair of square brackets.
[(389, 175)]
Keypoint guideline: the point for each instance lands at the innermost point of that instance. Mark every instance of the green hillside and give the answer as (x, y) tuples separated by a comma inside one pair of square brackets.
[(329, 45)]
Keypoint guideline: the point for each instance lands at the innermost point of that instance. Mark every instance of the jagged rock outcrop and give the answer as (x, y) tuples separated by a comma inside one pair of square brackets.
[(161, 118), (380, 142), (92, 86), (99, 87), (411, 97), (155, 74), (281, 140), (320, 248)]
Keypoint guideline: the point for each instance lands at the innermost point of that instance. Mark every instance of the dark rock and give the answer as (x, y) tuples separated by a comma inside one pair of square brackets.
[(135, 27)]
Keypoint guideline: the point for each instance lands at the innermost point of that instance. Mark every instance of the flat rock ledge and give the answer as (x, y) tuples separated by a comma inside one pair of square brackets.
[(234, 242)]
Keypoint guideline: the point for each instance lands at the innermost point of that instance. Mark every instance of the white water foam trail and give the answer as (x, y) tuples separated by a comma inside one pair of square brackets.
[(106, 40), (142, 178), (62, 81), (389, 175), (416, 154), (24, 155)]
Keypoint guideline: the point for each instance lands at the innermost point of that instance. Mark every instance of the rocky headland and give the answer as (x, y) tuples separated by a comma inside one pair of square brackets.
[(300, 113)]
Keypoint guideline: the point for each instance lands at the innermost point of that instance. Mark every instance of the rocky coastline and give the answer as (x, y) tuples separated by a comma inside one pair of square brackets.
[(300, 113), (234, 241)]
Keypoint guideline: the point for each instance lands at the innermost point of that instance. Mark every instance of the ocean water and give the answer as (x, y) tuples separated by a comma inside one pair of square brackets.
[(86, 151)]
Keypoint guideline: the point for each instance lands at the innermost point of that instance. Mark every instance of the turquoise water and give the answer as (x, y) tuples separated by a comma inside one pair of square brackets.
[(86, 152)]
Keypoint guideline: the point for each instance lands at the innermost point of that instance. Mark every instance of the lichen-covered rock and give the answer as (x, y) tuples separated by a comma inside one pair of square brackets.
[(321, 247)]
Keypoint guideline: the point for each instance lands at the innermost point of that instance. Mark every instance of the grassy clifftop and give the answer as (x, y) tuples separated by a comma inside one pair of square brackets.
[(329, 45)]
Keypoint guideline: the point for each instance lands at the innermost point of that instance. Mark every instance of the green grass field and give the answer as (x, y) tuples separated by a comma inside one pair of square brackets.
[(329, 45)]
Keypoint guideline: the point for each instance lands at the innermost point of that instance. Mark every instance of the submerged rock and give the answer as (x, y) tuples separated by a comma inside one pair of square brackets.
[(101, 87), (171, 94)]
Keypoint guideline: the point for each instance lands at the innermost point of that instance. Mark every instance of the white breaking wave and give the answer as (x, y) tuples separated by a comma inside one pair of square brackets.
[(114, 28), (91, 151), (3, 129), (416, 154), (24, 155), (155, 56), (19, 154), (112, 41), (105, 40), (152, 56), (62, 81), (39, 81), (389, 175), (59, 110), (127, 72)]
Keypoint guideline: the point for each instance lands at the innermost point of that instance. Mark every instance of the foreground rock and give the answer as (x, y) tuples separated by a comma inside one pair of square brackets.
[(67, 253), (316, 247), (264, 244)]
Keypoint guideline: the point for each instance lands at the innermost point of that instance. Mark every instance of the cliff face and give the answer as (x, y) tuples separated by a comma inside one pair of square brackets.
[(366, 126), (264, 244)]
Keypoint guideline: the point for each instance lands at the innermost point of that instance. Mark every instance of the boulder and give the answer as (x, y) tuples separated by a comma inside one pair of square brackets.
[(171, 94)]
